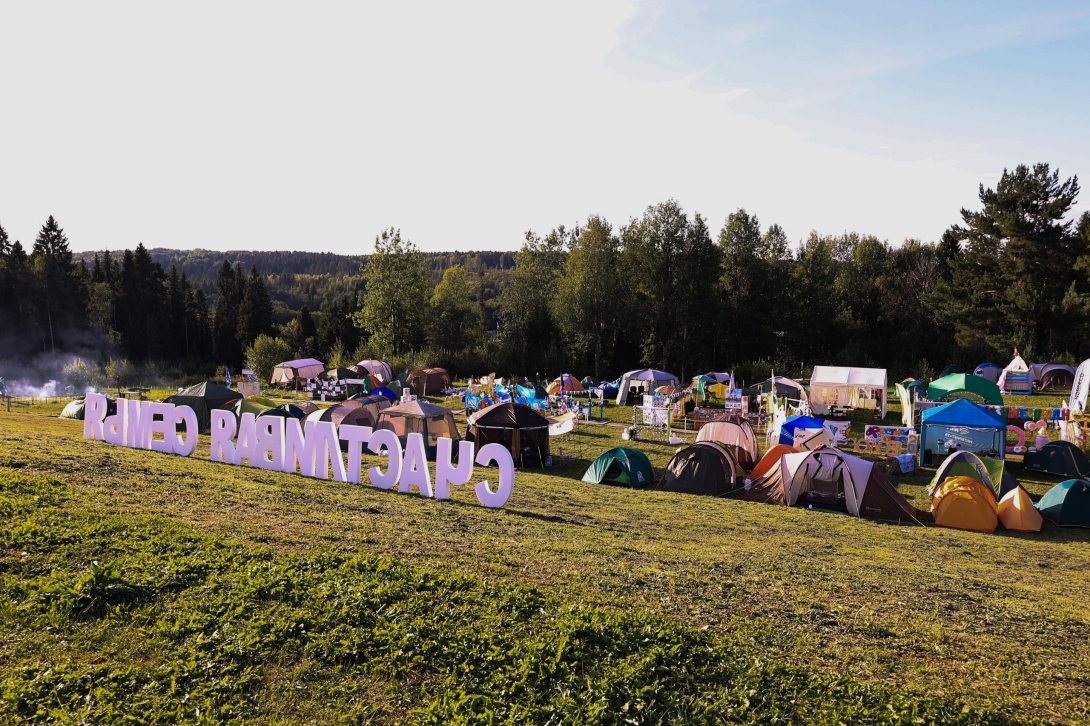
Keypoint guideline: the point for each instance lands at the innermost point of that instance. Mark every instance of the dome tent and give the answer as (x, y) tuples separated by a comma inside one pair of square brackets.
[(377, 368), (1052, 376), (988, 371), (625, 467), (736, 433), (202, 398), (988, 471), (942, 388), (1059, 458), (705, 467), (830, 479), (961, 502), (517, 427), (566, 383), (1017, 513), (1068, 503)]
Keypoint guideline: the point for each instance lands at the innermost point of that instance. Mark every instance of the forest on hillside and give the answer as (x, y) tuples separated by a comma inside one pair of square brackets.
[(662, 289)]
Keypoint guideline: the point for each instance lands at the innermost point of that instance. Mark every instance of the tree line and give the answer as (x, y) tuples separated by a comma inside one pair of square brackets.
[(662, 289)]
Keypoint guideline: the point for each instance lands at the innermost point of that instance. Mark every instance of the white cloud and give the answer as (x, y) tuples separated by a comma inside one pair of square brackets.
[(273, 126)]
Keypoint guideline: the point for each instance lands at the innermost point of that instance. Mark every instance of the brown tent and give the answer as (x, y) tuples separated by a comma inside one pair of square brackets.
[(706, 467), (830, 479), (517, 427), (434, 422), (428, 380), (1058, 378), (336, 414)]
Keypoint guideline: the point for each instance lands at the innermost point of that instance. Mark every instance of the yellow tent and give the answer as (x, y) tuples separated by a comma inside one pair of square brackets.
[(964, 503), (1017, 513)]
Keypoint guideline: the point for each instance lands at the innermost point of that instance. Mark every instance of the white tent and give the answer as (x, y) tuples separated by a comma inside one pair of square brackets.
[(848, 387), (1016, 377), (645, 380)]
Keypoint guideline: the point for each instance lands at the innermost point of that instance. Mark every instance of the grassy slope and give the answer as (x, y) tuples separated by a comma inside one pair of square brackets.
[(996, 620)]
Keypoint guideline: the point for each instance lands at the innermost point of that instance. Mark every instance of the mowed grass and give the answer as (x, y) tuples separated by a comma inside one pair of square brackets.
[(998, 622)]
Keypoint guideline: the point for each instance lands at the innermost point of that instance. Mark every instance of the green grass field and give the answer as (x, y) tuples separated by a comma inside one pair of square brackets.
[(141, 584)]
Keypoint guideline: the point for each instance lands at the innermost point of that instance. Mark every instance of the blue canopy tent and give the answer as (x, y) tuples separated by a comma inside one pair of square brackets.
[(961, 425), (787, 431)]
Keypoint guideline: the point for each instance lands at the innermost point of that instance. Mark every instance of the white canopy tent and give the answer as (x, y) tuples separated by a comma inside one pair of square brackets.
[(848, 387)]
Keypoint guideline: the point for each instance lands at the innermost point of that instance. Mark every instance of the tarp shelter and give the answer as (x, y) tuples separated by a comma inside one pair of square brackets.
[(959, 383), (426, 381), (1052, 376), (830, 479), (517, 427), (75, 408), (793, 423), (988, 371), (961, 425), (1017, 513), (961, 502), (433, 422), (621, 466), (566, 383), (643, 380), (990, 472), (847, 387), (1059, 458), (377, 368), (703, 468), (1016, 377), (294, 373), (1067, 504), (202, 398), (785, 388), (735, 433)]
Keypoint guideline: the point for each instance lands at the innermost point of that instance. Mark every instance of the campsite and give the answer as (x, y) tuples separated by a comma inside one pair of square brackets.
[(619, 363), (904, 613)]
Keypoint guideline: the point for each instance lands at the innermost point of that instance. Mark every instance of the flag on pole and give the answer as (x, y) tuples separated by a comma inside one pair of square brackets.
[(227, 375)]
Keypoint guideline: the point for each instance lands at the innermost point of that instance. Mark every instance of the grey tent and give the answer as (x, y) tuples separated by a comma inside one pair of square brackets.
[(202, 398)]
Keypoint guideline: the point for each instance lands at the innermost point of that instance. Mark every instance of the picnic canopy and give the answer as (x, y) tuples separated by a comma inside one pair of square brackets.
[(947, 386), (785, 388), (848, 387), (961, 425)]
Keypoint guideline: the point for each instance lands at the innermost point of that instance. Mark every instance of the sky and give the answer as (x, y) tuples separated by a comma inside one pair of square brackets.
[(266, 125)]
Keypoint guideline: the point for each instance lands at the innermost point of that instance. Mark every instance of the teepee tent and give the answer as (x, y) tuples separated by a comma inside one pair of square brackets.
[(1016, 377)]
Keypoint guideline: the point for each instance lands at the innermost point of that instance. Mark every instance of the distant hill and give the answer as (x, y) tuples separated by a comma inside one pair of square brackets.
[(296, 279)]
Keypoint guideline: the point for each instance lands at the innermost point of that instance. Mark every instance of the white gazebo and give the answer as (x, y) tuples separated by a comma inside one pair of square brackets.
[(848, 387)]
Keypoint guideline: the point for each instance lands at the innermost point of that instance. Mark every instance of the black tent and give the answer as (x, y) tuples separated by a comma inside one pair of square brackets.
[(1061, 458), (706, 467), (517, 427), (202, 398)]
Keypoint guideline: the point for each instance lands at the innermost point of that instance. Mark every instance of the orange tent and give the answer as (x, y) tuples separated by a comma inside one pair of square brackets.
[(963, 503), (1017, 513), (770, 459)]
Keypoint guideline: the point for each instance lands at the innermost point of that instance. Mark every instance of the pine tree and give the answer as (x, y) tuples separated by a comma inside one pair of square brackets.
[(255, 311), (60, 295)]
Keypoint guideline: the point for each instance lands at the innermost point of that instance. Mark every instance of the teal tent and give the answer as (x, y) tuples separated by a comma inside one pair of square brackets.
[(627, 467), (1067, 504)]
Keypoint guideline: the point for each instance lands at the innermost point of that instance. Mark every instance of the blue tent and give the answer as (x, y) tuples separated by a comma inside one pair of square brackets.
[(787, 431), (989, 371), (961, 425)]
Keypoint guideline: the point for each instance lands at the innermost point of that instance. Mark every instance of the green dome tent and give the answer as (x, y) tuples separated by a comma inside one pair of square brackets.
[(942, 388), (202, 398), (626, 467), (1067, 504)]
